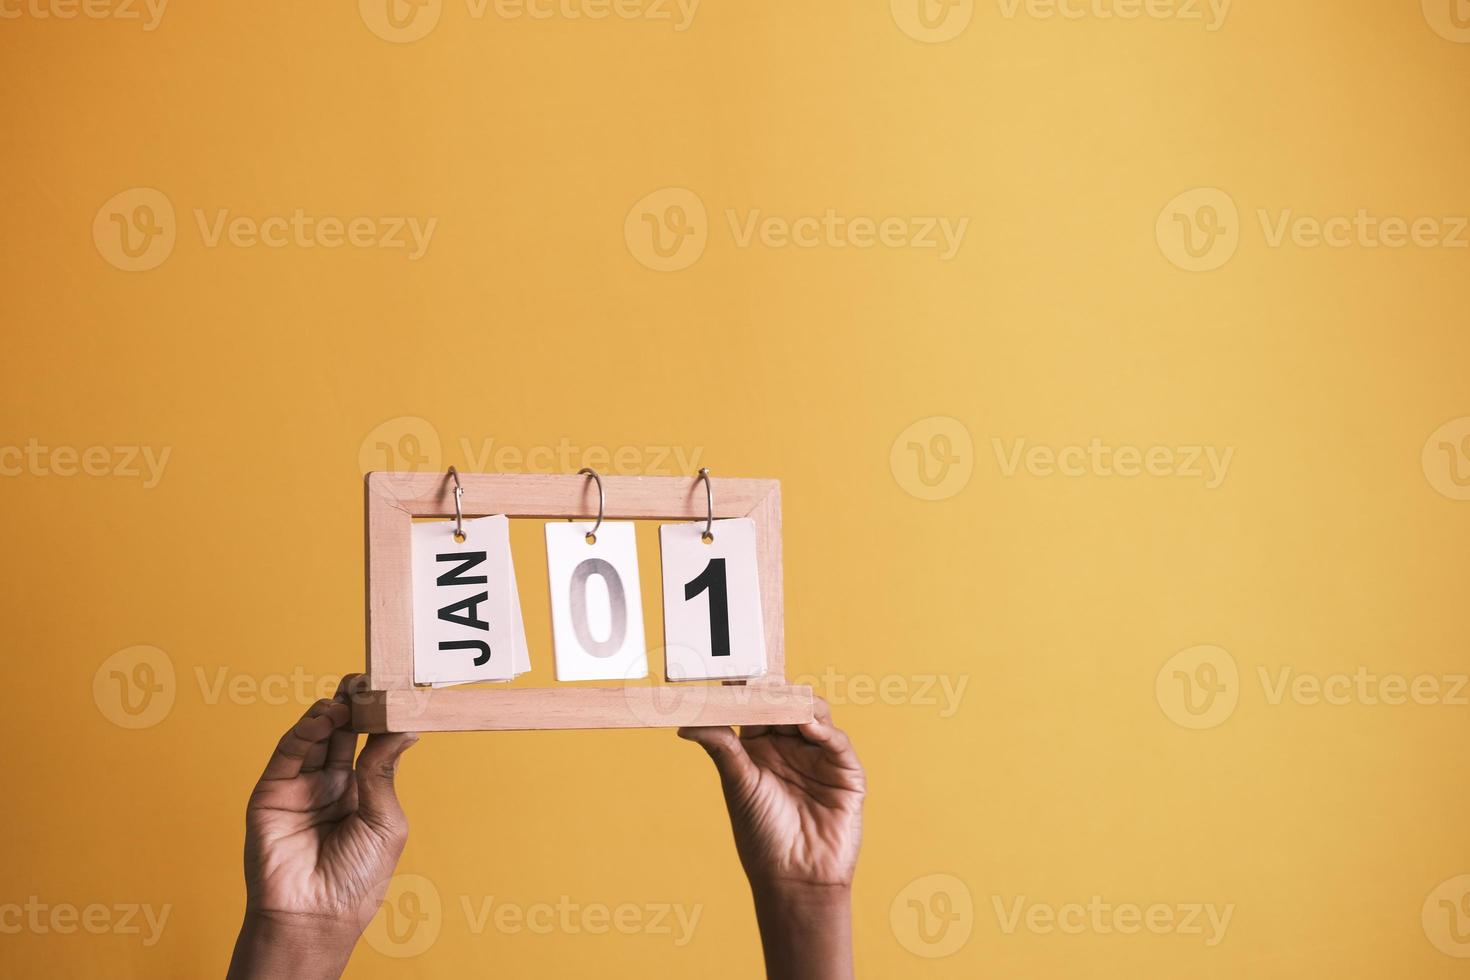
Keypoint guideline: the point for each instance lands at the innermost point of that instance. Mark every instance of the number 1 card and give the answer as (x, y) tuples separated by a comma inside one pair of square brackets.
[(713, 627)]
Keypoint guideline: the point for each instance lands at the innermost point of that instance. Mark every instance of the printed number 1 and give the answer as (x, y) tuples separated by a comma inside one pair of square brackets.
[(713, 579)]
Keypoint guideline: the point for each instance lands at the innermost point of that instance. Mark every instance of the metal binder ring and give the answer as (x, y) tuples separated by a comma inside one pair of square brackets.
[(709, 500), (601, 502), (458, 513)]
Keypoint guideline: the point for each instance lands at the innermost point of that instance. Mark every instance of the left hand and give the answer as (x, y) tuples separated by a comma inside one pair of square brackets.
[(322, 837)]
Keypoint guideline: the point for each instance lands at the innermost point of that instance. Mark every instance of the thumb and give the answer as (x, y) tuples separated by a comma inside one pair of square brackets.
[(377, 764), (726, 749)]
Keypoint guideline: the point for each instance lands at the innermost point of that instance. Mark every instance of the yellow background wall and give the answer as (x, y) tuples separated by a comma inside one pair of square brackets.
[(1079, 758)]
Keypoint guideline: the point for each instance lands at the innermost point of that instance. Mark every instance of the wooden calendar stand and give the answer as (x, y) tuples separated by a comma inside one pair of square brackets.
[(393, 703)]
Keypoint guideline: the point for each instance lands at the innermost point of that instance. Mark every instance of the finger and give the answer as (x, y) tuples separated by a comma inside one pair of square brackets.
[(821, 710), (340, 715), (836, 746), (343, 745), (377, 766), (292, 749), (725, 748)]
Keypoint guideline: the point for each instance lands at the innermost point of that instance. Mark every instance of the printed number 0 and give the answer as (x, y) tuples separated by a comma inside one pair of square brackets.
[(616, 601), (713, 579)]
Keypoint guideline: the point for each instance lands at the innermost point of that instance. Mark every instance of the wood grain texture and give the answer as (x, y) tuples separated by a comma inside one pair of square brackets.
[(423, 709), (389, 594), (557, 495)]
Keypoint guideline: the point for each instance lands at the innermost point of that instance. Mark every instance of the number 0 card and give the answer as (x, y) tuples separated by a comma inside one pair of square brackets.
[(713, 627), (596, 607)]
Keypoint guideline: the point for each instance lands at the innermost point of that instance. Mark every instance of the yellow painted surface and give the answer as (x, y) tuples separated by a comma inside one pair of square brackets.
[(950, 273)]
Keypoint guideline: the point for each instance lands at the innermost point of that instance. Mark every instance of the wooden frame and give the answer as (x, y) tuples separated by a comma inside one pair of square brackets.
[(394, 703)]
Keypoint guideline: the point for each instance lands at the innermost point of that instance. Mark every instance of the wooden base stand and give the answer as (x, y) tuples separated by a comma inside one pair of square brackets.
[(450, 709)]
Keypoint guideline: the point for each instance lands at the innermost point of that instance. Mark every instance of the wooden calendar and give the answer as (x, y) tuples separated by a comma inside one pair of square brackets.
[(728, 668)]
